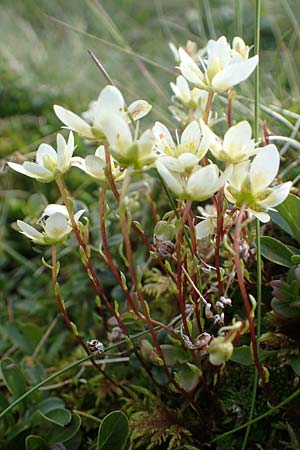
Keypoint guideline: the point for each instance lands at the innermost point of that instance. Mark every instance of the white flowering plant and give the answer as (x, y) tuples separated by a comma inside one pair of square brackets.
[(208, 184)]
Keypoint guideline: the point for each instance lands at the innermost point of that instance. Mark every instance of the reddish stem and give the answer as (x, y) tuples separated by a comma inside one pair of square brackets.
[(179, 241), (247, 305)]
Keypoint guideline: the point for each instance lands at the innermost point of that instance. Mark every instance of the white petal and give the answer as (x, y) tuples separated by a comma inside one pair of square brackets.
[(204, 228), (36, 171), (187, 160), (237, 140), (163, 138), (73, 121), (171, 181), (100, 152), (201, 183), (45, 150), (110, 101), (29, 231), (264, 168), (63, 159), (234, 74), (191, 136), (239, 174), (20, 168), (189, 69), (53, 208), (277, 196), (219, 49), (95, 166), (146, 144), (171, 163), (224, 177), (117, 132), (263, 217), (181, 89), (138, 109), (56, 226)]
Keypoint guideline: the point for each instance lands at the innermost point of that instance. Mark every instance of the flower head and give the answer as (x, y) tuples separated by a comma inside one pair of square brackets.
[(193, 145), (125, 149), (56, 225), (110, 101), (200, 183), (49, 162), (250, 183), (237, 145), (95, 166), (223, 67)]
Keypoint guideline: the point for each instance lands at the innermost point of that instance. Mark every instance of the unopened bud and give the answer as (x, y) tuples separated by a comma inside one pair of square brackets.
[(219, 351)]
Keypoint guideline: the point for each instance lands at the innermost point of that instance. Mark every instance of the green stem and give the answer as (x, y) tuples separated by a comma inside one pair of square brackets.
[(258, 246), (238, 17), (62, 371)]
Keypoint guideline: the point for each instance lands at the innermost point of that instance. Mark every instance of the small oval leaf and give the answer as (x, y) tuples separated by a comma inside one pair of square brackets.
[(113, 432), (276, 251)]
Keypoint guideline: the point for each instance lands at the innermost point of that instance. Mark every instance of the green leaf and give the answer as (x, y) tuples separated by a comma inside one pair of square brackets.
[(188, 376), (287, 216), (242, 355), (12, 376), (113, 432), (295, 363), (35, 443), (51, 403), (173, 354), (60, 434), (276, 251), (61, 417)]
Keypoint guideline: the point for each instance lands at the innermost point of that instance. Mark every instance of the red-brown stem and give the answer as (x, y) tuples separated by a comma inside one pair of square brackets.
[(135, 228), (208, 106), (115, 270), (195, 275), (87, 262), (66, 318), (219, 235), (237, 233), (229, 109), (152, 206), (179, 241)]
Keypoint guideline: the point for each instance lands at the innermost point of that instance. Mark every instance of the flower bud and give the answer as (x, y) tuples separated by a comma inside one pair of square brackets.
[(220, 351)]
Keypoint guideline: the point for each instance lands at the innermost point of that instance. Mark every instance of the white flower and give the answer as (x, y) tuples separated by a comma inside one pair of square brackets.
[(54, 208), (56, 229), (189, 97), (194, 99), (49, 163), (239, 46), (237, 145), (95, 165), (190, 48), (55, 223), (222, 69), (193, 145), (126, 150), (250, 183), (200, 184), (110, 101)]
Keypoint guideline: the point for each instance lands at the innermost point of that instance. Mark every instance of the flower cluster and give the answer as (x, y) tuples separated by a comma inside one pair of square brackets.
[(196, 163)]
